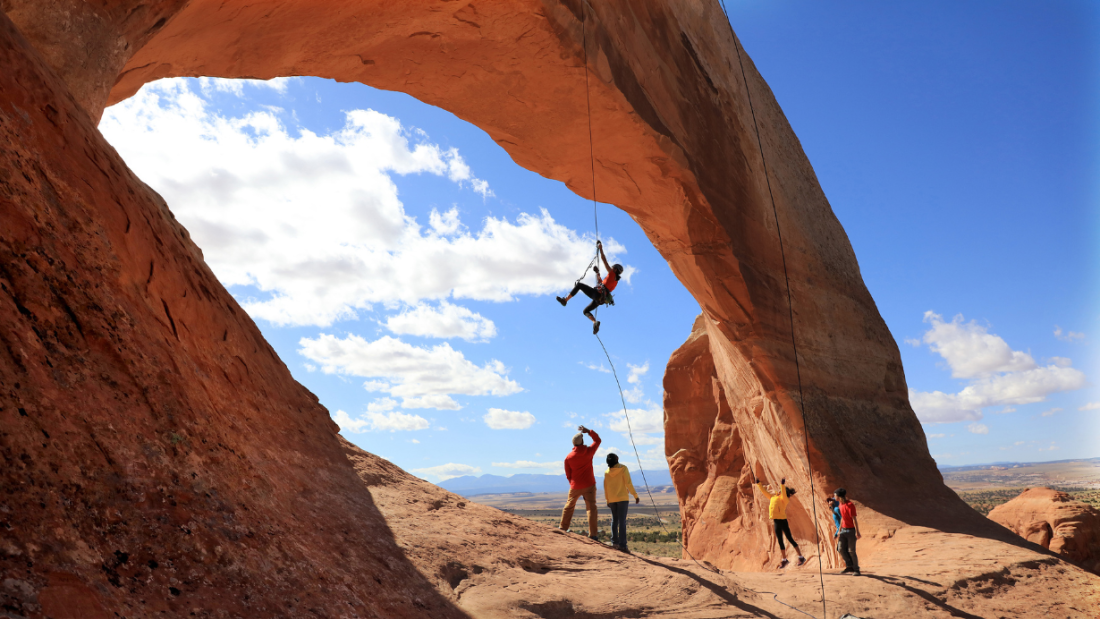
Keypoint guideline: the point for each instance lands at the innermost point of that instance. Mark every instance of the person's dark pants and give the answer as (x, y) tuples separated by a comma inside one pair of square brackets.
[(618, 522), (781, 529), (846, 544), (592, 293)]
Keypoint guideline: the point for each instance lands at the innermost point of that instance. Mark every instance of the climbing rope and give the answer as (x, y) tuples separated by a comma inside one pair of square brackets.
[(591, 142), (790, 311), (790, 305)]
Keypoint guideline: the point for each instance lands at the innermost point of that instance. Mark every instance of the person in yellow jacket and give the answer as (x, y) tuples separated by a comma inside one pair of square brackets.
[(777, 511), (618, 488)]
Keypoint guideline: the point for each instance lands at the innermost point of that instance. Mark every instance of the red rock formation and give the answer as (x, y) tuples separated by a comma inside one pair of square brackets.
[(676, 147), (156, 457), (159, 458), (1055, 521)]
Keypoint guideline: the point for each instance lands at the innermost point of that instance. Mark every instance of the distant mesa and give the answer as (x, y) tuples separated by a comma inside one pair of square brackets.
[(1056, 522)]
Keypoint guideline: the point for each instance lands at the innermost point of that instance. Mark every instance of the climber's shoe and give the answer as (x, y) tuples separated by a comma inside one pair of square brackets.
[(562, 301), (595, 327), (784, 563), (801, 561)]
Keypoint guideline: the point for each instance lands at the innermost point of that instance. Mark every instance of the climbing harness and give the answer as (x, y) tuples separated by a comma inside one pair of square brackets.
[(790, 311)]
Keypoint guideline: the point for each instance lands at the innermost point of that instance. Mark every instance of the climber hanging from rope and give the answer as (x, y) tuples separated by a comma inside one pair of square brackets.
[(601, 294)]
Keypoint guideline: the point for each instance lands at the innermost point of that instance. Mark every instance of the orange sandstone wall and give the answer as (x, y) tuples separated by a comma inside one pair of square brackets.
[(156, 457), (1053, 520), (675, 148)]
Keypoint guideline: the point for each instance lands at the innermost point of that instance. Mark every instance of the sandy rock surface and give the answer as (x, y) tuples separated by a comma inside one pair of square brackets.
[(493, 564), (1053, 520)]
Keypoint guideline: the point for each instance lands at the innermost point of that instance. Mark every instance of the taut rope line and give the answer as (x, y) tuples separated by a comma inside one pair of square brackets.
[(790, 305), (622, 398)]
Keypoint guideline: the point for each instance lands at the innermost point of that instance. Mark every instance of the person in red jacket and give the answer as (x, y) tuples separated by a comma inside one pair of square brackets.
[(849, 532), (601, 293), (582, 481)]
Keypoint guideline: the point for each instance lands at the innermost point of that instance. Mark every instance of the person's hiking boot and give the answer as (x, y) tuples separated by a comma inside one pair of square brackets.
[(562, 301), (593, 538), (784, 563), (801, 561), (595, 327), (856, 572), (847, 570)]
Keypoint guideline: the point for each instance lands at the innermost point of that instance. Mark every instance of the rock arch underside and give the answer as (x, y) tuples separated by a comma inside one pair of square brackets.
[(159, 460)]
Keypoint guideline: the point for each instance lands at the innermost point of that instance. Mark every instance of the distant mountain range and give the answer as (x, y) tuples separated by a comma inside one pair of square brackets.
[(470, 485)]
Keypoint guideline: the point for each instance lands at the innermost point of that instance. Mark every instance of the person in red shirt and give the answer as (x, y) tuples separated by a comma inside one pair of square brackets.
[(601, 293), (582, 481), (849, 532)]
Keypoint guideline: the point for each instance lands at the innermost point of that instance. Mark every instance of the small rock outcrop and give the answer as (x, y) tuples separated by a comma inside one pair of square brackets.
[(1055, 521)]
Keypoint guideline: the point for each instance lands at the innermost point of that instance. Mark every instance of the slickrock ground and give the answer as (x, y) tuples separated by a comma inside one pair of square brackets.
[(492, 564), (1055, 521)]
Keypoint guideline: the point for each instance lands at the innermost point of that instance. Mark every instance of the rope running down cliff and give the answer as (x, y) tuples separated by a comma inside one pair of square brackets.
[(614, 372), (790, 306)]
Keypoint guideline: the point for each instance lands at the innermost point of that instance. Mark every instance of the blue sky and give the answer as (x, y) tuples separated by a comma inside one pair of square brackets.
[(404, 268)]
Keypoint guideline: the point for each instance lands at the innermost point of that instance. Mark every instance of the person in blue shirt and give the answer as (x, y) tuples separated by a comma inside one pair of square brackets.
[(835, 508)]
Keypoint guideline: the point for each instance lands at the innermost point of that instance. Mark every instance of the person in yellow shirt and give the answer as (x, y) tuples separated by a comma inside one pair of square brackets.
[(777, 511), (617, 488)]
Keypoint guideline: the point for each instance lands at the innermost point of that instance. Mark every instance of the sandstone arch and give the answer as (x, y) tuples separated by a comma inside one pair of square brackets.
[(676, 149)]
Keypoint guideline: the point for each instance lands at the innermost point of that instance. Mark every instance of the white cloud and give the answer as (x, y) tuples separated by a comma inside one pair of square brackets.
[(598, 368), (1068, 336), (636, 394), (414, 442), (314, 221), (236, 86), (1050, 412), (397, 421), (913, 342), (444, 321), (382, 405), (527, 464), (500, 419), (648, 424), (443, 472), (422, 377), (641, 420), (936, 435), (970, 350), (978, 428), (998, 375), (1091, 406), (444, 224), (1018, 443), (393, 422)]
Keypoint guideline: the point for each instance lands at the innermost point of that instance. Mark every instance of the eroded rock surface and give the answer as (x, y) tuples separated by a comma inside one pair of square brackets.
[(492, 564), (1055, 521), (158, 458)]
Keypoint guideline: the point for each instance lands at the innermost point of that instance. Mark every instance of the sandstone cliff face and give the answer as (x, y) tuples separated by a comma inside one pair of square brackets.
[(1055, 521), (675, 146), (158, 457)]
